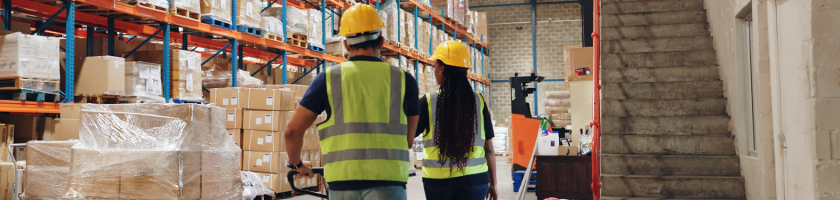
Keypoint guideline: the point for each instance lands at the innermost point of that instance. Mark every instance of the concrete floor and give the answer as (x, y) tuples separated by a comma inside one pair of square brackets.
[(504, 185)]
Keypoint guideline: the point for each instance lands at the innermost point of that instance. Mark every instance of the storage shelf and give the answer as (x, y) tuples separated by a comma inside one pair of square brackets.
[(451, 25), (29, 107)]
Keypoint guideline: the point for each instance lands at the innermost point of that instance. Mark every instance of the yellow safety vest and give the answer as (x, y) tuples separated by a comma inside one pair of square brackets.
[(365, 138), (476, 163)]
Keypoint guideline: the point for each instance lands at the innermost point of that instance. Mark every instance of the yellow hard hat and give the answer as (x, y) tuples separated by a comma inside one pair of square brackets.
[(359, 19), (452, 53)]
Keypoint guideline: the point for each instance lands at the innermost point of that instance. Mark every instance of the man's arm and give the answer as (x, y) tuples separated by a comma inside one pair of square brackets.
[(297, 126), (412, 129)]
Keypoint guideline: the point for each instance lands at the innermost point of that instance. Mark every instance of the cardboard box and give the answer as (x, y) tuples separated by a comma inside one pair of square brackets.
[(269, 99), (101, 75), (66, 129), (95, 174), (7, 179), (236, 135), (300, 90), (273, 87), (220, 174), (267, 162), (573, 150), (26, 127), (277, 182), (29, 56), (563, 150), (48, 153), (233, 118), (311, 142), (263, 120), (170, 174), (481, 26), (256, 140), (48, 167), (7, 137), (228, 97), (70, 111)]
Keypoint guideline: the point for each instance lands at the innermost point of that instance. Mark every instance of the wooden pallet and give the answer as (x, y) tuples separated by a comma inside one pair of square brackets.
[(30, 84), (186, 13), (392, 42), (97, 98), (298, 40), (502, 154), (153, 7), (273, 37), (405, 48)]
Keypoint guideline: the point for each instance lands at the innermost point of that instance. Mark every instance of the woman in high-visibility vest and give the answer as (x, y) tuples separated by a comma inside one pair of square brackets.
[(458, 158)]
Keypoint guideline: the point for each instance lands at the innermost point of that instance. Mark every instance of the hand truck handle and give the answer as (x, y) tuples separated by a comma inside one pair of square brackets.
[(316, 170)]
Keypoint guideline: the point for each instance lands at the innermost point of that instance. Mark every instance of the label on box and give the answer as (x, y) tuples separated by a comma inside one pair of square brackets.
[(189, 81), (150, 86), (286, 89), (267, 157), (158, 87), (223, 4), (225, 102), (269, 101), (231, 117), (266, 178), (154, 72), (259, 162), (249, 7), (144, 71), (260, 141), (286, 180), (267, 119), (269, 138), (233, 101), (259, 120)]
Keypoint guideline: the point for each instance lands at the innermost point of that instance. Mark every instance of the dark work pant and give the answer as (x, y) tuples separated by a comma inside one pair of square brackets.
[(459, 192)]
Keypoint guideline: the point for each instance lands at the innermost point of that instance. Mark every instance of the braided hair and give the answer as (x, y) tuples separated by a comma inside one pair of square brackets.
[(455, 131)]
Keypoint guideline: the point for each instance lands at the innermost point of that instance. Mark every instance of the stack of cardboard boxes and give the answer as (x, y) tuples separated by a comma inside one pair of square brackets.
[(47, 168), (256, 117), (185, 71)]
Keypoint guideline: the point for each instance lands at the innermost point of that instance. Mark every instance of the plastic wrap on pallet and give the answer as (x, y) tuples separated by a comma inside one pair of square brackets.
[(158, 3), (191, 5), (143, 80), (47, 169), (154, 151), (389, 11), (500, 139), (272, 25), (249, 13), (221, 77), (335, 46), (29, 56), (315, 37), (297, 20), (216, 9), (253, 186)]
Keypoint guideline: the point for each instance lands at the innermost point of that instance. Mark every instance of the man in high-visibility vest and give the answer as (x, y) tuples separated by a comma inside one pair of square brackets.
[(372, 113)]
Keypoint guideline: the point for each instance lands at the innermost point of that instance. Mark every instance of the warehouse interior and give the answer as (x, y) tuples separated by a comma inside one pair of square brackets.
[(584, 99)]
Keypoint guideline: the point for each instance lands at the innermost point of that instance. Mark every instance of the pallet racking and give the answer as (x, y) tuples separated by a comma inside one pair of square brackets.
[(151, 23)]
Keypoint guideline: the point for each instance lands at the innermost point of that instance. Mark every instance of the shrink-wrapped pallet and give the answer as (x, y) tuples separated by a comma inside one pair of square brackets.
[(388, 12), (47, 168), (297, 20), (249, 13), (216, 9), (29, 56), (316, 30), (154, 151)]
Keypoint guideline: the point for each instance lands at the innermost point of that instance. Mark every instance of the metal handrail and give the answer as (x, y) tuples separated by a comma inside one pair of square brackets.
[(596, 111)]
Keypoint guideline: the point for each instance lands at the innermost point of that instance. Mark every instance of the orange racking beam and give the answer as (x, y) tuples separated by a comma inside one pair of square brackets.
[(449, 25), (29, 107)]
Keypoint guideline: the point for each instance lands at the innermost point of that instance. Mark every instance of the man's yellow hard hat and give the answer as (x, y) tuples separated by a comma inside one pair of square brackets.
[(452, 53), (359, 19)]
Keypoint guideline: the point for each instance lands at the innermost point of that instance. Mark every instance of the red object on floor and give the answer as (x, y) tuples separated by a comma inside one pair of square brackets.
[(551, 198)]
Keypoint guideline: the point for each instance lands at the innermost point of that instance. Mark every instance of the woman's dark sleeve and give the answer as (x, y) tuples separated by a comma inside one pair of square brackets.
[(488, 123), (423, 123)]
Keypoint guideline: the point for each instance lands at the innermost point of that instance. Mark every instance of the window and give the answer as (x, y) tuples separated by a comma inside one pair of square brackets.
[(749, 86)]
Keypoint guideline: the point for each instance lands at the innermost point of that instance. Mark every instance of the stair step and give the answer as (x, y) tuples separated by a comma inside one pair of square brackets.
[(670, 165), (711, 187), (650, 6), (660, 74), (663, 90), (721, 145), (657, 18), (655, 31), (663, 107), (658, 45), (658, 59), (688, 125)]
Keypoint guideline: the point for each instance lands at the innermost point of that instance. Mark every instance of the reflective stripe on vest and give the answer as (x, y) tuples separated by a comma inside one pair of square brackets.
[(365, 137), (476, 162)]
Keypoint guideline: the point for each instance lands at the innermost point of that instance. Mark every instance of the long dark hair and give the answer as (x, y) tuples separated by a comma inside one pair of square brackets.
[(456, 118)]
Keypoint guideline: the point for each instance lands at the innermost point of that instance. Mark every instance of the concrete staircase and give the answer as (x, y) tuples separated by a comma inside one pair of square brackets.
[(665, 127)]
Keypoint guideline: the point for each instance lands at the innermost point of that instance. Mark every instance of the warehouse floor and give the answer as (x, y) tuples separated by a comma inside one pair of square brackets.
[(505, 184)]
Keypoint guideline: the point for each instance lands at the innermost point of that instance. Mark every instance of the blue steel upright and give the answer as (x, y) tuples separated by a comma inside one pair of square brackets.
[(69, 65), (284, 40), (234, 54), (7, 15), (166, 62)]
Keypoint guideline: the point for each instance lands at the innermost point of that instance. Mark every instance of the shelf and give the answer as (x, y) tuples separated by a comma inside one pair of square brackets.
[(29, 107), (450, 25)]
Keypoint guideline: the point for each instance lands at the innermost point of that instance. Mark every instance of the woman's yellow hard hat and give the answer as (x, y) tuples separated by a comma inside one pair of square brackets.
[(453, 53), (360, 18)]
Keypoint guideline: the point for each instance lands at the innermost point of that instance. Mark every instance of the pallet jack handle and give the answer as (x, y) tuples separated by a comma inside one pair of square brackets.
[(315, 170)]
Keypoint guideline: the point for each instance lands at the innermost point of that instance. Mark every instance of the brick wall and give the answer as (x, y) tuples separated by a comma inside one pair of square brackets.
[(509, 37)]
